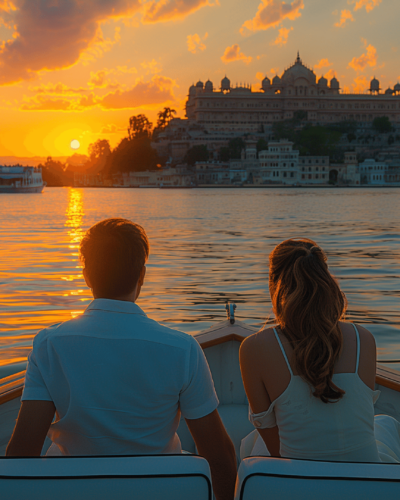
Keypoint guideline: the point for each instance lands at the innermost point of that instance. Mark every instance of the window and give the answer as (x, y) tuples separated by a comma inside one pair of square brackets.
[(316, 176), (284, 174), (309, 176), (291, 174)]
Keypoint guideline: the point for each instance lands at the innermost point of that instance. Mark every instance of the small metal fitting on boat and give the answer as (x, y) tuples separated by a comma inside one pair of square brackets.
[(230, 311)]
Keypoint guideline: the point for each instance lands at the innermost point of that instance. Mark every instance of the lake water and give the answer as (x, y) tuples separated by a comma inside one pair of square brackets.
[(207, 246)]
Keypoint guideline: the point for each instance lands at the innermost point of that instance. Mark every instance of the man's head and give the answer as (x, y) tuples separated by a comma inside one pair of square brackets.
[(114, 253)]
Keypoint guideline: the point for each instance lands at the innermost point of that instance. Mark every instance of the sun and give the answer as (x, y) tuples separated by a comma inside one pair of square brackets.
[(75, 144)]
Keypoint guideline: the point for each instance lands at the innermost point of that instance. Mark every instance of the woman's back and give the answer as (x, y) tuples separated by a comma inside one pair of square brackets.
[(309, 428)]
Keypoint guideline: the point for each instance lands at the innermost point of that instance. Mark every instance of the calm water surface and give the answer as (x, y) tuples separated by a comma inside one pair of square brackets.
[(207, 246)]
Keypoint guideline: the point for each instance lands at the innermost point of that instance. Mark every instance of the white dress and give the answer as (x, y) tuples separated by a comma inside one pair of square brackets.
[(341, 431)]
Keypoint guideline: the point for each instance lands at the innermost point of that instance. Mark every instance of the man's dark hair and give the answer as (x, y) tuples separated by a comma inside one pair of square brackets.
[(113, 253)]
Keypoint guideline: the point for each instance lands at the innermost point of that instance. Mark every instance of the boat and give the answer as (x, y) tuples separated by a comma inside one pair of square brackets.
[(258, 477), (19, 179)]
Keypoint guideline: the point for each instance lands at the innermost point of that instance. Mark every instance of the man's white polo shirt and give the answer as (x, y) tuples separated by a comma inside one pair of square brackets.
[(119, 381)]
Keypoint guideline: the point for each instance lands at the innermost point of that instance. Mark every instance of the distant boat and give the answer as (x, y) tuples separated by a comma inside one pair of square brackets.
[(19, 179)]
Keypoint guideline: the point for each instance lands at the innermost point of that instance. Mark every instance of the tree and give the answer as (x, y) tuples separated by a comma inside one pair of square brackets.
[(235, 147), (196, 153), (262, 145), (382, 124), (164, 117), (132, 156), (99, 149), (139, 126), (351, 137), (224, 154)]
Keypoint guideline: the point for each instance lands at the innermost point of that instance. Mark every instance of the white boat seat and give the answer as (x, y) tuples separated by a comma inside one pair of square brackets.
[(156, 477), (262, 478)]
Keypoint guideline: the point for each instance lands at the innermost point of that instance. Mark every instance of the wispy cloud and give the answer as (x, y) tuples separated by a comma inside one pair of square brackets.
[(345, 16), (282, 38), (166, 10), (271, 13), (360, 84), (323, 63), (195, 43), (367, 59), (158, 90), (234, 53), (367, 4)]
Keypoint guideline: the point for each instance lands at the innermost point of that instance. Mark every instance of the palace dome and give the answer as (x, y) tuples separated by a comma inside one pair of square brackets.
[(192, 90), (225, 83), (334, 83), (397, 87), (276, 80), (199, 84), (322, 82), (389, 91), (266, 82), (209, 86), (374, 84), (297, 71)]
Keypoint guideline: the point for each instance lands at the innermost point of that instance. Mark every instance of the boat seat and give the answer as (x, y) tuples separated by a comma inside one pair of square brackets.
[(262, 478), (156, 477), (236, 421)]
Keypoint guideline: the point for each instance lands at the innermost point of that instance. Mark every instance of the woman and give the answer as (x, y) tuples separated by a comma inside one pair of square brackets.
[(310, 381)]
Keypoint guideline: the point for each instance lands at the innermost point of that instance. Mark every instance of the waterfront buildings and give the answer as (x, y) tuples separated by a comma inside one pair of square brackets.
[(237, 108)]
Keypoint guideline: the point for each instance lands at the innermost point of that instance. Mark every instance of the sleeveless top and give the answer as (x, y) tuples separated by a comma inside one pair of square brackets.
[(311, 429)]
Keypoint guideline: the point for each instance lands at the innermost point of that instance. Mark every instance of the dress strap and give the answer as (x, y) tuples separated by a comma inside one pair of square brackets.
[(358, 347), (283, 351)]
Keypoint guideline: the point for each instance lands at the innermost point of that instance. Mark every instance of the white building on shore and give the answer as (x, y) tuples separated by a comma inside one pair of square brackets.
[(373, 172)]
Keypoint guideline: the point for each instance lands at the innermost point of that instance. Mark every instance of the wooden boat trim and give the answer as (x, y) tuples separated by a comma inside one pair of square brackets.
[(12, 386)]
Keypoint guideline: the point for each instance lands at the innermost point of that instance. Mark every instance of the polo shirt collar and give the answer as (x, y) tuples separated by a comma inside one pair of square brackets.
[(118, 306)]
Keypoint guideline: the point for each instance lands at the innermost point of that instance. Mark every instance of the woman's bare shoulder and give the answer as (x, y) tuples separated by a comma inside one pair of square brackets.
[(366, 337), (257, 341)]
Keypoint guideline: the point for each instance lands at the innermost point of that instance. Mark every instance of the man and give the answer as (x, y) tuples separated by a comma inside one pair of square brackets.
[(117, 380)]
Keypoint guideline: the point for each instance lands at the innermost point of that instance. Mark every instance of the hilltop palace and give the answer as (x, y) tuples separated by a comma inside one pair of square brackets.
[(238, 108)]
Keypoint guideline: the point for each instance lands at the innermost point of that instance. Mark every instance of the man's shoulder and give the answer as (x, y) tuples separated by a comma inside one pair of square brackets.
[(55, 330), (169, 335)]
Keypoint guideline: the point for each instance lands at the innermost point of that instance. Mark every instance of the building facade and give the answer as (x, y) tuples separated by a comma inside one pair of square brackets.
[(240, 109)]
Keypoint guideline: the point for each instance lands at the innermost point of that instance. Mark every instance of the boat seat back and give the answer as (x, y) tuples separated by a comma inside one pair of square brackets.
[(262, 478), (166, 477)]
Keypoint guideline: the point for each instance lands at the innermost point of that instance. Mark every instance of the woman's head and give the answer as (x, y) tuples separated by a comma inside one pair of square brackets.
[(308, 305)]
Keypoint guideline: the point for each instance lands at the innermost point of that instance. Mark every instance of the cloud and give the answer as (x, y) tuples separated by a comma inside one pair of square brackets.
[(166, 10), (233, 54), (57, 89), (330, 74), (323, 63), (157, 91), (271, 13), (55, 34), (102, 79), (368, 59), (44, 103), (282, 38), (195, 43), (360, 84), (368, 4), (345, 16), (259, 75), (111, 129), (152, 66), (99, 79)]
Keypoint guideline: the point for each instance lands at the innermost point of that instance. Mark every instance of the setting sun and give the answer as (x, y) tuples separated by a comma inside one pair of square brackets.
[(75, 144)]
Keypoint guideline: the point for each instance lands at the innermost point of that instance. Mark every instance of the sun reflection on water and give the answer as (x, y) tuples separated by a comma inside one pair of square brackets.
[(75, 214)]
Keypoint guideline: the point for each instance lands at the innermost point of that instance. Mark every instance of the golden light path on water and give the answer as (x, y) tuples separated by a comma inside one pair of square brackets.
[(207, 246)]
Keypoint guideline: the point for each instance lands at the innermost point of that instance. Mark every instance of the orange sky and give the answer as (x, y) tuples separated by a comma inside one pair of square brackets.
[(78, 69)]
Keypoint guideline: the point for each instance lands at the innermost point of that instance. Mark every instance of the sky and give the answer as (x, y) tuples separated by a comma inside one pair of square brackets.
[(78, 69)]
